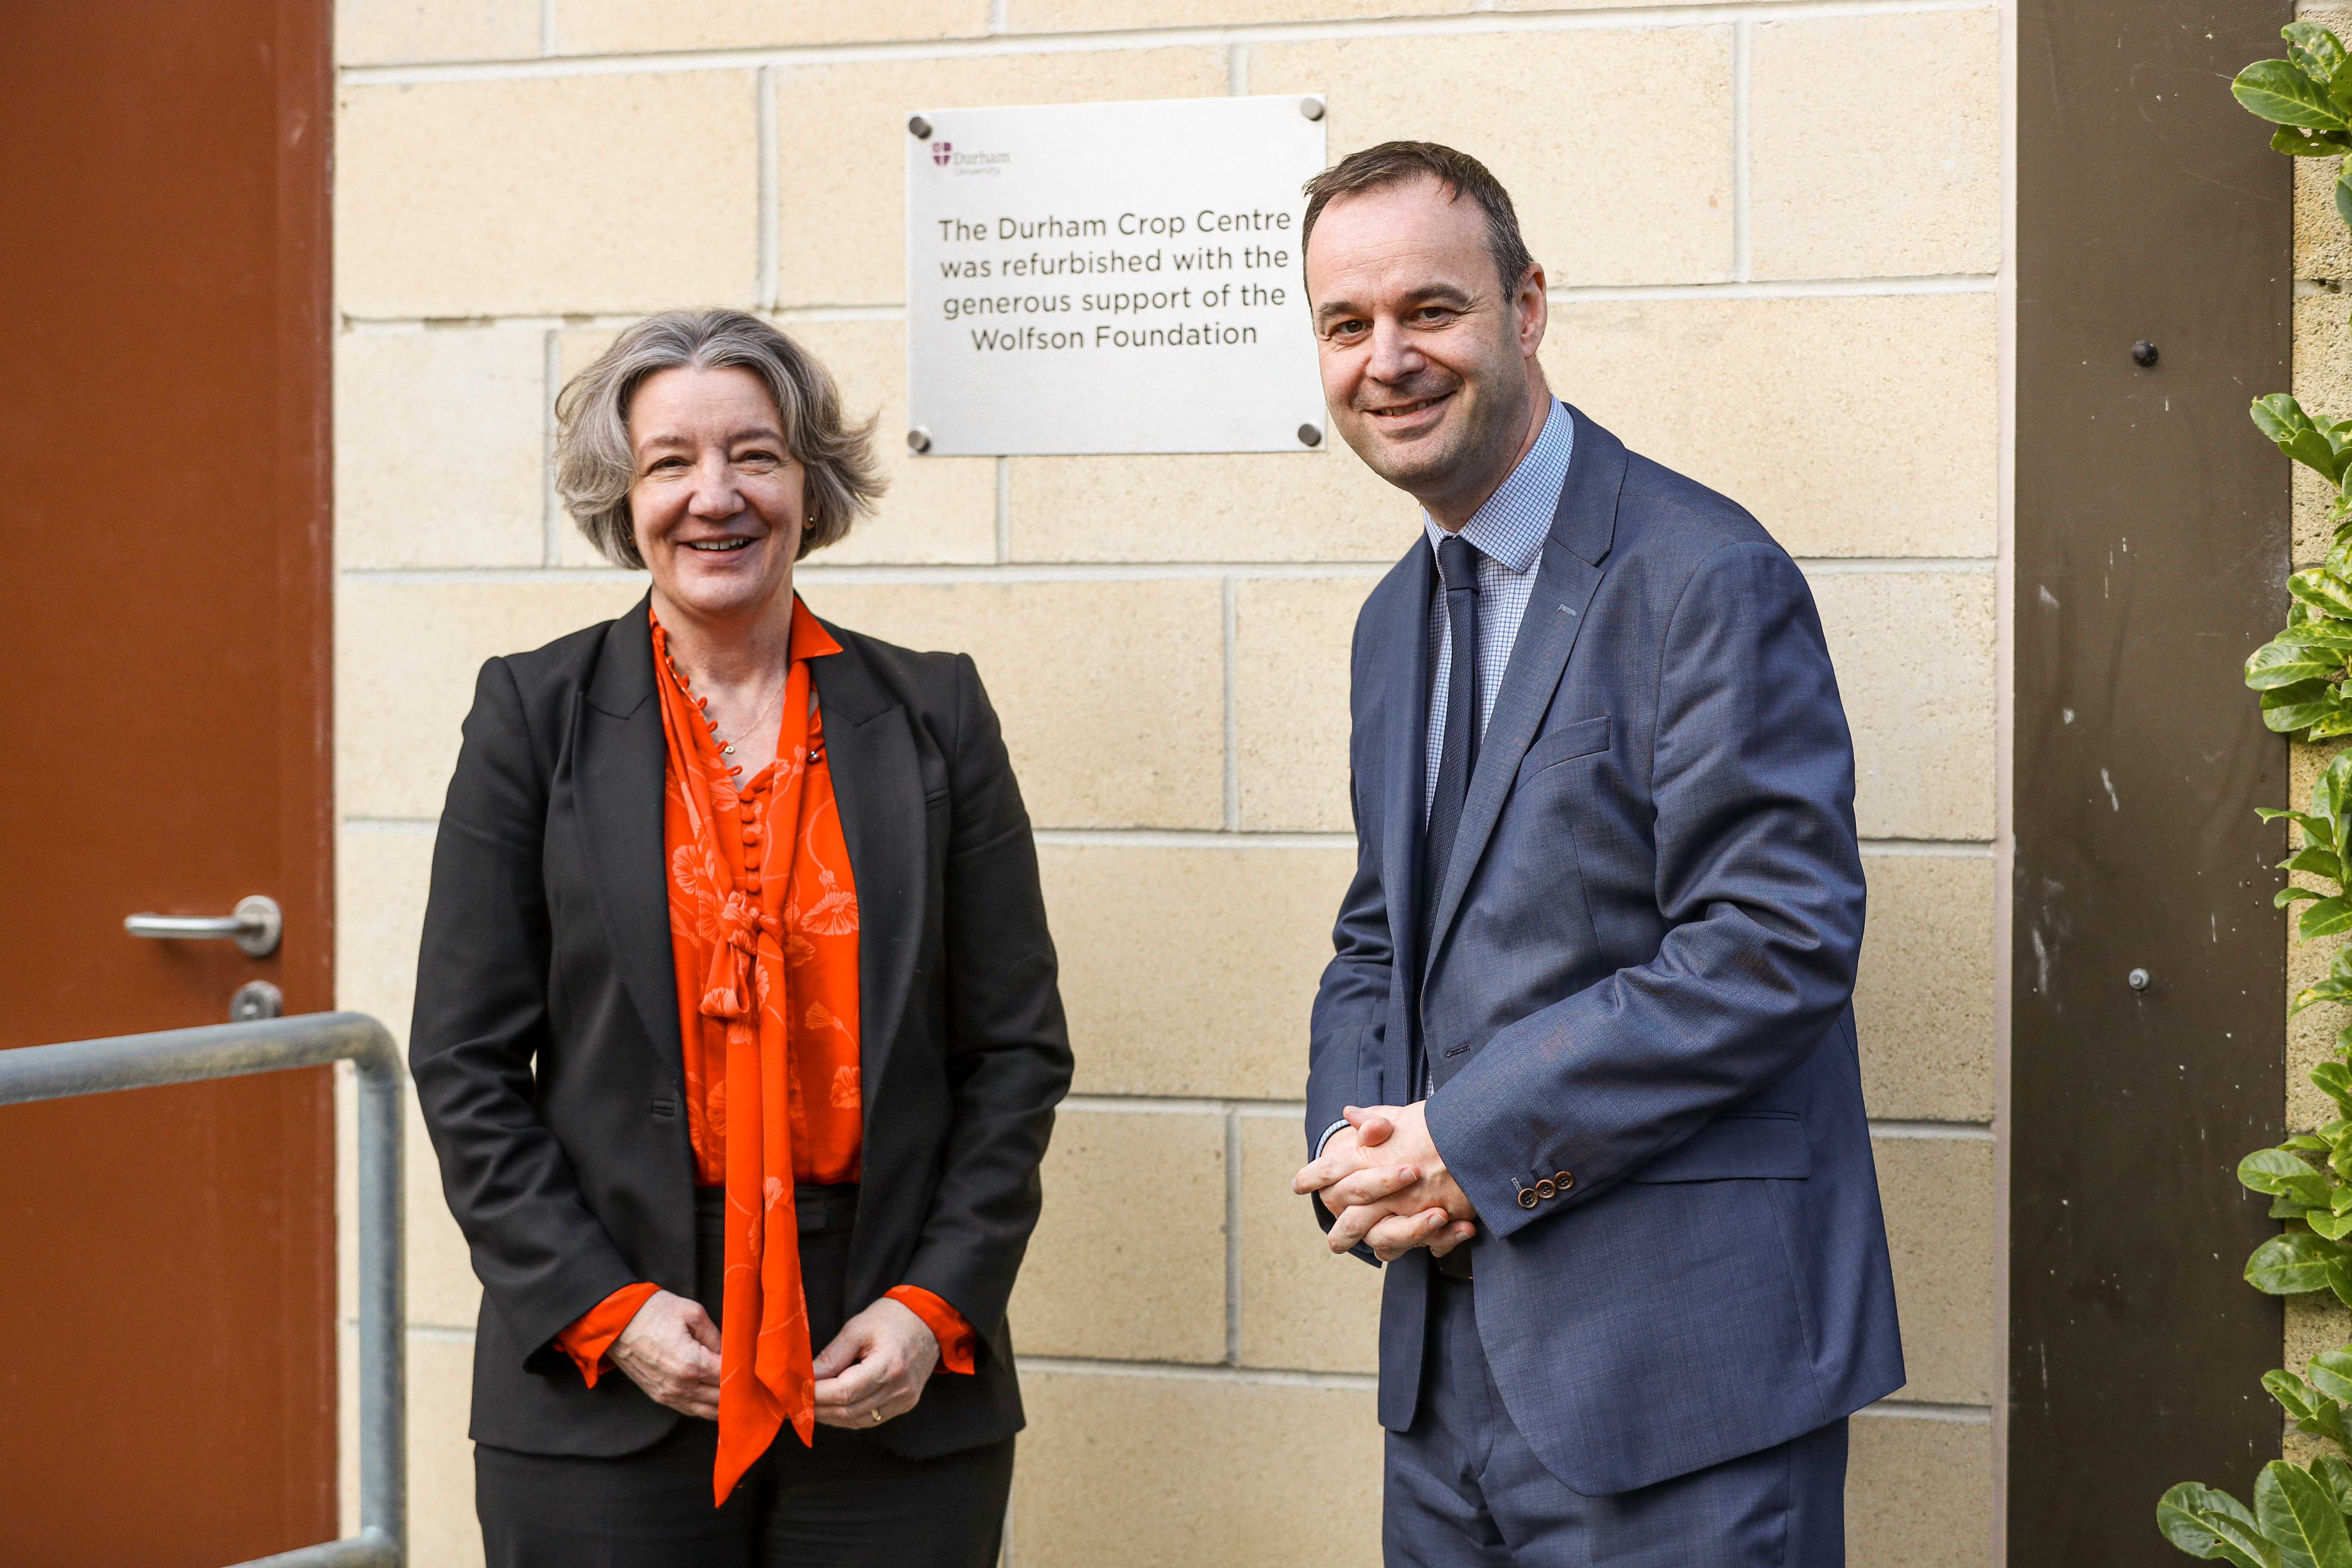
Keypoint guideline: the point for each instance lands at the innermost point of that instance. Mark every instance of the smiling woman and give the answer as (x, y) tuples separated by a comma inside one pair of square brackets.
[(698, 858)]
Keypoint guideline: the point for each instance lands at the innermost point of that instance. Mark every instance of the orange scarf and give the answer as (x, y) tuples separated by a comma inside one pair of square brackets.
[(769, 965)]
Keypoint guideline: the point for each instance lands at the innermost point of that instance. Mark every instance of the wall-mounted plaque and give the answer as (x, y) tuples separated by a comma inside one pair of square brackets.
[(1111, 277)]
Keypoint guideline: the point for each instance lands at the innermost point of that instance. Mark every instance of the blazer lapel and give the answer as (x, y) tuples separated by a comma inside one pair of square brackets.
[(877, 783), (1583, 526), (618, 759)]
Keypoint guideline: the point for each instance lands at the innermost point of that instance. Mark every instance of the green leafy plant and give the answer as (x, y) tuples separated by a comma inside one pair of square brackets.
[(2299, 1518)]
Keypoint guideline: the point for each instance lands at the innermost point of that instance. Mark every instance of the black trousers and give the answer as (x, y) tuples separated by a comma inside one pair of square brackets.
[(848, 1501)]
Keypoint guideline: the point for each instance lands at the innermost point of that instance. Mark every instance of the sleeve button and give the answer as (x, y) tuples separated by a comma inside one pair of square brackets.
[(1544, 1189), (1527, 1198), (1563, 1180)]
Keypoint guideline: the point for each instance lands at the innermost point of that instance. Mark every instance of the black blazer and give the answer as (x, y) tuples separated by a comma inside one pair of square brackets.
[(545, 1048)]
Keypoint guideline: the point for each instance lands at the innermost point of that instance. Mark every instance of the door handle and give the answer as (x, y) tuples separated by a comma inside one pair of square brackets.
[(255, 927)]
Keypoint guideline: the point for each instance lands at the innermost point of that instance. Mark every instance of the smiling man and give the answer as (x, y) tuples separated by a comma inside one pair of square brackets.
[(1583, 1071)]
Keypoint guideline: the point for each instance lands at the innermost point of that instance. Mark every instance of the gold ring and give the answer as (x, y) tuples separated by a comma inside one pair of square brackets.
[(877, 1415)]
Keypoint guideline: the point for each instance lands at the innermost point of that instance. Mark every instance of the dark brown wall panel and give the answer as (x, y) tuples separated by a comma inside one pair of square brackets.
[(2152, 541)]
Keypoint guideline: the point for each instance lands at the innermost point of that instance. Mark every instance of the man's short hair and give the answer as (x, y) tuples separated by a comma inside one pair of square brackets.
[(1397, 162)]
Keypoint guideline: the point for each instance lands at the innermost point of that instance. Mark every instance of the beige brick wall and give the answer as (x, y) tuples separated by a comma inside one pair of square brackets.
[(1750, 284)]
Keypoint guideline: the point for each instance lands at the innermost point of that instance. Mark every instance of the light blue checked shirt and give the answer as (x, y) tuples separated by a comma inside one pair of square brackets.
[(1508, 532)]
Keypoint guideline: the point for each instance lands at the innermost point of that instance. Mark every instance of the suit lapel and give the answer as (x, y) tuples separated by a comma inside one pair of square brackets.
[(879, 785), (619, 757), (1583, 526), (1402, 702)]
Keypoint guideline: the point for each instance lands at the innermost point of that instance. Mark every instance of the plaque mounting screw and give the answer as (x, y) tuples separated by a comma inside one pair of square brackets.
[(2136, 980), (1311, 107), (919, 127), (918, 439), (2142, 354), (1308, 436)]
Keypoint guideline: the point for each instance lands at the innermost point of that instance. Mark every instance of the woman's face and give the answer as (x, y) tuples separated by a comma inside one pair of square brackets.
[(717, 502)]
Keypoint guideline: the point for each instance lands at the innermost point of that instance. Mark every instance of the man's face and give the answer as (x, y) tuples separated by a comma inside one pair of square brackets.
[(1427, 359)]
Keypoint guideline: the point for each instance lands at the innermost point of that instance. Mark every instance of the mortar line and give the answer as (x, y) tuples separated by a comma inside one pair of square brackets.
[(956, 574), (1187, 1371), (1925, 1410), (551, 507), (1232, 1236), (547, 27), (1931, 1132), (1232, 708), (1237, 71), (1740, 50), (998, 45), (766, 285)]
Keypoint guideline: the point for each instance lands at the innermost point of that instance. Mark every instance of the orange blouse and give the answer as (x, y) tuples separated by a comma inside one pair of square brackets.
[(768, 1002)]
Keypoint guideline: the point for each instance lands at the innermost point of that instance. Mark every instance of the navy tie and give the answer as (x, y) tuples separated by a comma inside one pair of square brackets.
[(1457, 564)]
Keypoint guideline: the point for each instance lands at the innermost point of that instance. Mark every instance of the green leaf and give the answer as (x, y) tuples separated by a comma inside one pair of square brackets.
[(2316, 829), (2321, 589), (2333, 788), (2331, 1373), (2334, 1079), (2277, 1172), (2207, 1523), (2281, 663), (2295, 1512), (2298, 707), (2290, 1265), (2343, 211), (2296, 1396), (2335, 1475), (2324, 991), (2299, 144), (2279, 93), (2307, 1140), (2329, 917), (2279, 416), (2314, 50), (2337, 721), (2317, 861), (2287, 1208), (2339, 1278), (2331, 1226), (2286, 896)]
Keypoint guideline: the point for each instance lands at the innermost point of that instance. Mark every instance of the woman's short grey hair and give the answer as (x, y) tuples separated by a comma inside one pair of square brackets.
[(595, 464)]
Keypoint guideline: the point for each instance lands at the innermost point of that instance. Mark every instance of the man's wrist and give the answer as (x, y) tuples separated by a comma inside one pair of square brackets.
[(1325, 1142)]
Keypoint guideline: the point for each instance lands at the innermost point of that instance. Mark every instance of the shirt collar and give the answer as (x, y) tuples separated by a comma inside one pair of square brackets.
[(1512, 526)]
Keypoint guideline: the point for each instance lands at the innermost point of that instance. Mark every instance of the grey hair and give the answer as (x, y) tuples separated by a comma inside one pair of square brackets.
[(594, 465)]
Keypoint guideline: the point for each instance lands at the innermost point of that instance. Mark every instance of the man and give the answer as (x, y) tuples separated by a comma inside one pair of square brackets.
[(1583, 1071)]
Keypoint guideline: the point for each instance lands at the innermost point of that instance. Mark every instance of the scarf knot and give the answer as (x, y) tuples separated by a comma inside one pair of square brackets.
[(728, 992)]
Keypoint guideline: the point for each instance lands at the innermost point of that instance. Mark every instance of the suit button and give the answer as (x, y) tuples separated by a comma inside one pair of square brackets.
[(1527, 1198), (1564, 1180), (1544, 1189)]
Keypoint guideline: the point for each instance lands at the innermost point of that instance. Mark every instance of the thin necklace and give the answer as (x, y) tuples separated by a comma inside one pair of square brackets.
[(725, 746)]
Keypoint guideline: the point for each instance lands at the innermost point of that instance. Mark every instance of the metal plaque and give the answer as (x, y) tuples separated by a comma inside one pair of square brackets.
[(1111, 277)]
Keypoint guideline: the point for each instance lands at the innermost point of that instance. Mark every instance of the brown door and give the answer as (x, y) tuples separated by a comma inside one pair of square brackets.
[(166, 1257)]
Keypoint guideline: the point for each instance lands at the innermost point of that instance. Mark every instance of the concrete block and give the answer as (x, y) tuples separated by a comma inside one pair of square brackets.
[(405, 658), (1096, 1283), (1569, 122), (936, 509), (1254, 505), (440, 443), (1290, 697), (381, 876), (629, 26), (1831, 194), (1919, 1492), (1195, 1472), (2323, 245), (385, 32), (1302, 1307), (1943, 1225), (1192, 971), (1676, 381), (1914, 652), (1131, 735), (596, 195), (1925, 1010), (442, 1526), (842, 185)]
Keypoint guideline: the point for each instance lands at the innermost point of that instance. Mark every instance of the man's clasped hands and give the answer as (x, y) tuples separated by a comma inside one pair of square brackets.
[(1387, 1186)]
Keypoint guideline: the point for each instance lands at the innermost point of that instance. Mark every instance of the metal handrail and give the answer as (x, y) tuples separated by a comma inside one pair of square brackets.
[(232, 1050)]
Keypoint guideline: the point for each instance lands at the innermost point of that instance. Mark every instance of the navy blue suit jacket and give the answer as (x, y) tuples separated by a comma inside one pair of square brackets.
[(1639, 977)]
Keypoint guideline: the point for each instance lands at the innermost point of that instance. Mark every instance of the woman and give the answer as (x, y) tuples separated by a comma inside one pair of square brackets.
[(737, 1030)]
